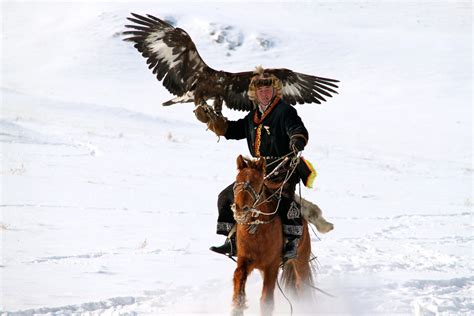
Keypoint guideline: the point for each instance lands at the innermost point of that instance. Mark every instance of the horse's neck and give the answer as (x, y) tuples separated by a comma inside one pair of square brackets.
[(271, 188), (271, 185)]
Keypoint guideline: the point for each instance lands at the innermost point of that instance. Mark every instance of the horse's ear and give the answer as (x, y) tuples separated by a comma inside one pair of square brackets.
[(261, 164), (241, 164)]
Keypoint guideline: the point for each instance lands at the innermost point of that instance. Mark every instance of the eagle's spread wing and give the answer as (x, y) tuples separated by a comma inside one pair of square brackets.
[(301, 88), (296, 88), (169, 51), (173, 57), (236, 96)]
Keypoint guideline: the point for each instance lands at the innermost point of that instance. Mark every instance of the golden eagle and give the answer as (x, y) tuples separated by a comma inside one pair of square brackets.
[(173, 57)]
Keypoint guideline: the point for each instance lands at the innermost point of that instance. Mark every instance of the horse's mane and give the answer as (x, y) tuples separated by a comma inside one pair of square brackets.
[(252, 163)]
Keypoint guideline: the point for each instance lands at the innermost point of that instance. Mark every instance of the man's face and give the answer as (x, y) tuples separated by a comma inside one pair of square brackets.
[(264, 94)]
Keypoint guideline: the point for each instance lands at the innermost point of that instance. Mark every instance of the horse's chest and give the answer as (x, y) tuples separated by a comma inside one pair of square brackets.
[(266, 241)]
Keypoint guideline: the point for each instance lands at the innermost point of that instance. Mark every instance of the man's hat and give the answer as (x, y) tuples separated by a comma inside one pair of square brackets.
[(260, 79)]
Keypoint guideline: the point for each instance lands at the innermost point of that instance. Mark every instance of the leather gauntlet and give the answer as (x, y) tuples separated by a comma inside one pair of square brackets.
[(202, 114), (218, 125), (215, 122)]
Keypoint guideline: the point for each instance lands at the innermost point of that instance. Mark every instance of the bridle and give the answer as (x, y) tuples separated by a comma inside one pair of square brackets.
[(253, 211), (249, 214), (247, 187)]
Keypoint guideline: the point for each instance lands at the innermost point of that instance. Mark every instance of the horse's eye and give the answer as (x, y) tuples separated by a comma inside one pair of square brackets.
[(246, 208)]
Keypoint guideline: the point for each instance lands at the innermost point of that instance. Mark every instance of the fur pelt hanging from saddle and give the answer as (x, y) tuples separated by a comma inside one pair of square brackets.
[(313, 214)]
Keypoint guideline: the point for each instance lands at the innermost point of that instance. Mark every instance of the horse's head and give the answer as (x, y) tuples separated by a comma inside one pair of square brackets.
[(249, 183)]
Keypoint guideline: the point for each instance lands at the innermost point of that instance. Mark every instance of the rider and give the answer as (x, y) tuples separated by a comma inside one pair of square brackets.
[(273, 130)]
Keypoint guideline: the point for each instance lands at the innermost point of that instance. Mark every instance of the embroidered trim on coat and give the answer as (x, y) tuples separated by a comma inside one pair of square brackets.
[(257, 120), (224, 227), (310, 179), (258, 136), (295, 230), (293, 211)]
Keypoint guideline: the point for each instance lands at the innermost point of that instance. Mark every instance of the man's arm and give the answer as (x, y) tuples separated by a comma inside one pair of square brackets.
[(236, 129), (295, 130)]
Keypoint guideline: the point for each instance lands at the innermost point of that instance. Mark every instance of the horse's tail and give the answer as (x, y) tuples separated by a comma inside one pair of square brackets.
[(298, 274), (297, 279)]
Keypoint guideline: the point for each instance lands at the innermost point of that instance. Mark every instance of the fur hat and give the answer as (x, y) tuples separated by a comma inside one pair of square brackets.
[(262, 78)]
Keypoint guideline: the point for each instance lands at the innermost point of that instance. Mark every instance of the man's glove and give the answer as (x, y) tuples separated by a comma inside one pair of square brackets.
[(215, 122), (297, 143), (218, 125), (202, 113)]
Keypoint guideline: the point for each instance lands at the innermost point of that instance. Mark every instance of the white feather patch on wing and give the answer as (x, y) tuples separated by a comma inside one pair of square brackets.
[(291, 89), (161, 50), (196, 62), (187, 97)]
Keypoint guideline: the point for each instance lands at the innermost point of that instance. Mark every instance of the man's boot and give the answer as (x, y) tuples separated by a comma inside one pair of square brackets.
[(229, 247), (290, 251)]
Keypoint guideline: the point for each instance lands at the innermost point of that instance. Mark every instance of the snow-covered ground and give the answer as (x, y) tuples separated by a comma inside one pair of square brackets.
[(108, 199)]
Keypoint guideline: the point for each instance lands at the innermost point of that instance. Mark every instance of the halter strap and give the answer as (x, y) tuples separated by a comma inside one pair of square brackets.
[(247, 187)]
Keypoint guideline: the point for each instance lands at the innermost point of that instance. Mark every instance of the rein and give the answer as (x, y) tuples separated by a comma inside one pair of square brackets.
[(253, 211)]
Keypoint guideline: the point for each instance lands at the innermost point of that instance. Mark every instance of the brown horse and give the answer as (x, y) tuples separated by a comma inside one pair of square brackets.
[(260, 239)]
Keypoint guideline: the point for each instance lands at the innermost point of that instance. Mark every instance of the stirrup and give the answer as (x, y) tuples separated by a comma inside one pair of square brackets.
[(229, 248)]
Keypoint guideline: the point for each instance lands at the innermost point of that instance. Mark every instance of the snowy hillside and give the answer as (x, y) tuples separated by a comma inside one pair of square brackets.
[(108, 199)]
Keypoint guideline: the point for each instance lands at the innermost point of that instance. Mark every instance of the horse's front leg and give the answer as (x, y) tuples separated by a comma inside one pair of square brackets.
[(267, 303), (240, 277)]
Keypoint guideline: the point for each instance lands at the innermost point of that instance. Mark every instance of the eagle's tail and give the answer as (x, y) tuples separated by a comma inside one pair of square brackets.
[(187, 97)]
